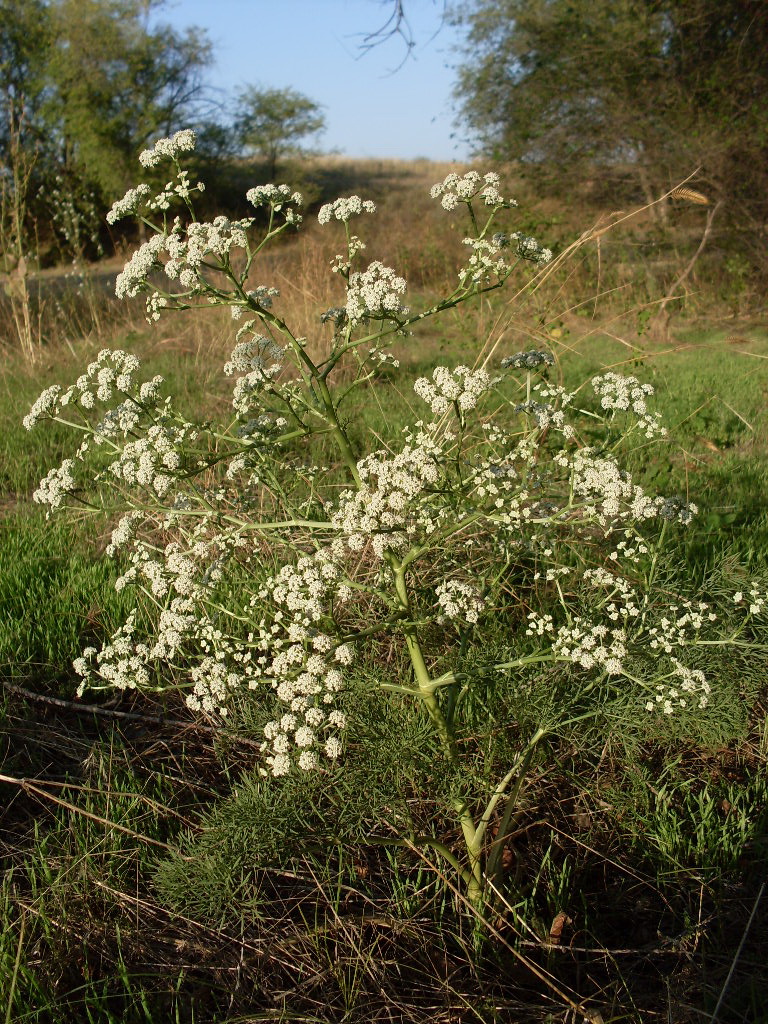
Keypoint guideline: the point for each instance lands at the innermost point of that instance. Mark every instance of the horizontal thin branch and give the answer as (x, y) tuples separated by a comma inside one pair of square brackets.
[(95, 709), (30, 787)]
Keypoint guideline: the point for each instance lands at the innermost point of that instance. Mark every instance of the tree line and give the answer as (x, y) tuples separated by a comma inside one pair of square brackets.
[(634, 95)]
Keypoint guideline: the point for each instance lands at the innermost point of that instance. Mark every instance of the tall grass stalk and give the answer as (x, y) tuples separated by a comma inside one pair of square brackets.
[(14, 240)]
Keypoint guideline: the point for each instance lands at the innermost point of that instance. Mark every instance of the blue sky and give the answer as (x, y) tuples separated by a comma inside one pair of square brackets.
[(314, 46)]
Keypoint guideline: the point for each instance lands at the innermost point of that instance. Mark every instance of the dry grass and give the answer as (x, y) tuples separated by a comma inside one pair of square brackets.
[(618, 273), (409, 234)]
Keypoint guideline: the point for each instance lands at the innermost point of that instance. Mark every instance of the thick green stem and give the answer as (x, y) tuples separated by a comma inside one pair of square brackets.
[(473, 877), (338, 432), (424, 681), (501, 787)]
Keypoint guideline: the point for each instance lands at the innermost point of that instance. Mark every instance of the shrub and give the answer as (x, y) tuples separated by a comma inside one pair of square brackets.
[(499, 542)]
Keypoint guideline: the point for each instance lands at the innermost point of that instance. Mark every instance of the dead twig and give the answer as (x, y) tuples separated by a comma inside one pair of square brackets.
[(132, 716), (759, 896), (686, 272), (32, 788)]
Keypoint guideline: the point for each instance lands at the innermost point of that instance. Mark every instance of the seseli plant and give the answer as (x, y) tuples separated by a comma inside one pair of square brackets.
[(261, 563)]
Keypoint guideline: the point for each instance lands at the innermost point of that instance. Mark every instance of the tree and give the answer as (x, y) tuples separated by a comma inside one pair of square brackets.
[(658, 87), (116, 85), (25, 37), (535, 86), (271, 122), (84, 86)]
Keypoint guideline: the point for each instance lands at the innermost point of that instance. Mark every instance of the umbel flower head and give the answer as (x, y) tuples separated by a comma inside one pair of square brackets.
[(168, 149), (528, 360), (463, 188), (344, 209)]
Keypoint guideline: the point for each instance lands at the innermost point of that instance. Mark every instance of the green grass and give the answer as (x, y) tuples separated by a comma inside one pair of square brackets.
[(290, 901), (66, 933), (53, 597)]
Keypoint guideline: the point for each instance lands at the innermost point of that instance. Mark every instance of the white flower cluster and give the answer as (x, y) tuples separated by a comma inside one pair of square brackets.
[(45, 406), (279, 198), (618, 393), (112, 372), (680, 625), (303, 588), (55, 485), (250, 355), (598, 480), (187, 249), (461, 386), (129, 204), (628, 606), (341, 262), (605, 646), (609, 492), (124, 532), (693, 686), (177, 579), (174, 190), (494, 483), (545, 412), (388, 510), (592, 644), (121, 662), (486, 260), (186, 253), (630, 549), (539, 625), (151, 460), (123, 418), (218, 237), (302, 662), (757, 599), (460, 600), (168, 149), (174, 572), (155, 303), (457, 188), (344, 209), (134, 198), (133, 276), (213, 683), (252, 359), (383, 358), (529, 248), (588, 644), (128, 663), (376, 293)]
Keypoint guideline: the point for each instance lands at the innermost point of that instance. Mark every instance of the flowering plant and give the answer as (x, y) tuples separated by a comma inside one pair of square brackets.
[(257, 568)]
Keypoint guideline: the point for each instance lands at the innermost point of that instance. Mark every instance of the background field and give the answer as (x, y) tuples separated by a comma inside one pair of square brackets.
[(138, 884)]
